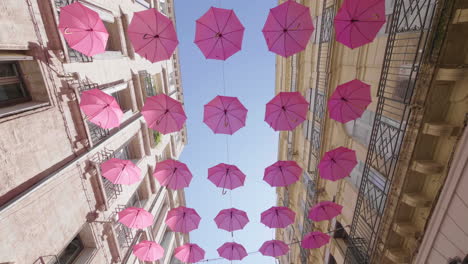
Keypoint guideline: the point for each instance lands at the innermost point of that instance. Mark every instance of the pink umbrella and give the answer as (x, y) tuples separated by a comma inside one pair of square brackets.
[(120, 171), (349, 101), (232, 251), (189, 253), (358, 21), (231, 219), (219, 33), (134, 217), (282, 173), (101, 108), (164, 114), (225, 115), (274, 248), (288, 28), (226, 176), (83, 29), (183, 219), (315, 240), (148, 251), (278, 217), (173, 174), (286, 111), (153, 35), (337, 163), (325, 210)]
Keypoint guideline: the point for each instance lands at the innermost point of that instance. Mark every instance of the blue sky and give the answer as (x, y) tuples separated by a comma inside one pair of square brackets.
[(249, 75)]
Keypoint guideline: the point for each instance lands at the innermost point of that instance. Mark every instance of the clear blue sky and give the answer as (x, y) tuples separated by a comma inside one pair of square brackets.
[(249, 75)]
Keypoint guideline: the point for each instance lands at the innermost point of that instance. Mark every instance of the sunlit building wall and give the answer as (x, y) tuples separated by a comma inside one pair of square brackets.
[(55, 206), (408, 142)]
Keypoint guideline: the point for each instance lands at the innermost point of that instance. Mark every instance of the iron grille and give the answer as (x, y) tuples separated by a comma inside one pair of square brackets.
[(150, 87), (124, 234), (74, 55), (407, 44), (321, 89), (96, 132)]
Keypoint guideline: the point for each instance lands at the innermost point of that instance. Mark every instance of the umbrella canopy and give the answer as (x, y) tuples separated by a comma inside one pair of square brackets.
[(231, 219), (183, 219), (120, 171), (282, 173), (101, 108), (325, 210), (164, 114), (189, 253), (349, 101), (148, 251), (219, 33), (286, 111), (225, 115), (274, 248), (134, 217), (173, 174), (337, 164), (232, 251), (315, 240), (226, 176), (358, 21), (278, 217), (83, 29), (288, 28), (152, 35)]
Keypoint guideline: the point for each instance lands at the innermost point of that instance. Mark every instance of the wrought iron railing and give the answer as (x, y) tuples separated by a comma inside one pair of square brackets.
[(96, 132), (407, 44), (318, 106), (148, 83), (74, 55)]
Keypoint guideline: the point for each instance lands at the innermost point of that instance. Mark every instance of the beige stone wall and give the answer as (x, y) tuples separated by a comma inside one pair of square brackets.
[(50, 190)]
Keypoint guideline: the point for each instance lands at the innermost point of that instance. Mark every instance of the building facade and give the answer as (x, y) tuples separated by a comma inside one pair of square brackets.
[(55, 206), (403, 202)]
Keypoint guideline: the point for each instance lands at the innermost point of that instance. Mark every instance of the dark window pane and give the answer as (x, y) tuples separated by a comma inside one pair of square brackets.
[(71, 252), (11, 91), (8, 70)]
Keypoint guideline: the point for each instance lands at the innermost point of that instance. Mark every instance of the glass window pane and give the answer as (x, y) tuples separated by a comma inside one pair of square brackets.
[(8, 70), (71, 252), (11, 91)]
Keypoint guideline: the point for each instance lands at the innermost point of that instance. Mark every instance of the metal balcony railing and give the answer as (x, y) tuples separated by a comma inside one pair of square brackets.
[(409, 42), (74, 55), (320, 92), (148, 83)]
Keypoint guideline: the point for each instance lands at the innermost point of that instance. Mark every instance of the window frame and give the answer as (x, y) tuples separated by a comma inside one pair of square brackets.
[(19, 79)]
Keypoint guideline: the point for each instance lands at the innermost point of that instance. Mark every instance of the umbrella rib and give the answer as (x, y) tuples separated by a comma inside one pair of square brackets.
[(73, 15), (164, 47), (216, 20), (144, 23), (294, 40), (237, 30), (227, 20), (214, 46), (301, 14), (214, 31), (235, 45), (369, 7)]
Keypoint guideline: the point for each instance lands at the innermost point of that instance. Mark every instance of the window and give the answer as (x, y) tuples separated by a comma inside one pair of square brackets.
[(162, 6), (361, 128), (71, 252), (159, 221), (12, 89), (144, 3)]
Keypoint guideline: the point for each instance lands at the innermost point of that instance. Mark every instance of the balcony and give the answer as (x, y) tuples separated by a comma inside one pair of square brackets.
[(148, 83)]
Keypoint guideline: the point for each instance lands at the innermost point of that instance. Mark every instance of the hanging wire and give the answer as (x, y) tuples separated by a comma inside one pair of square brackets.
[(258, 251)]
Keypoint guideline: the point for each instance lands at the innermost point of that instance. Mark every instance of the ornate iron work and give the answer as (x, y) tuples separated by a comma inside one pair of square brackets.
[(124, 233), (407, 44), (318, 106), (74, 55), (148, 82)]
